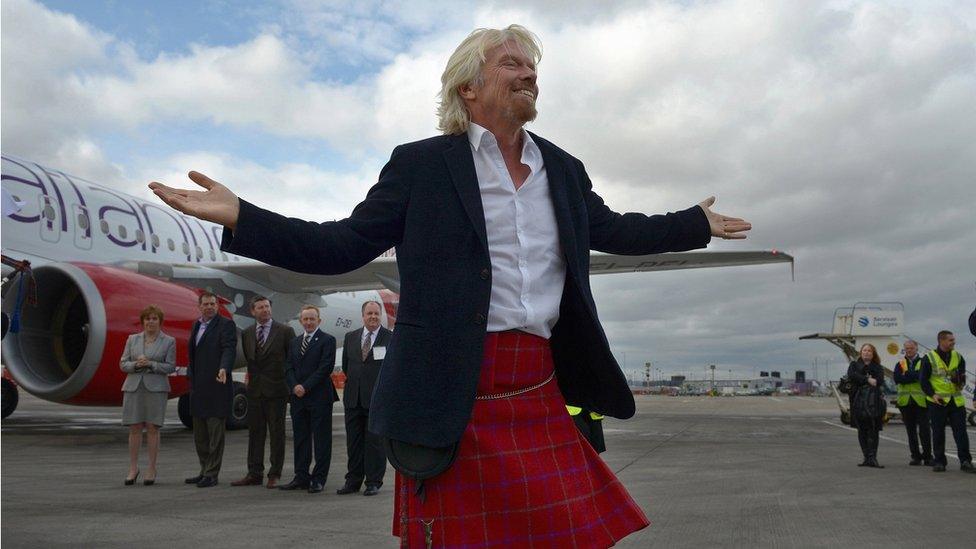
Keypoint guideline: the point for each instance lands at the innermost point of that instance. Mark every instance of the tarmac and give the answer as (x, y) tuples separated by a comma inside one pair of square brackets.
[(720, 471)]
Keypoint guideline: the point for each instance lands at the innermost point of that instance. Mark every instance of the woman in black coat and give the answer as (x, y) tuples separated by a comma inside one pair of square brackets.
[(867, 402)]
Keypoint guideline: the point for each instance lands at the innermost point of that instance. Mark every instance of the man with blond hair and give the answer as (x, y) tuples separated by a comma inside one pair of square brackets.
[(493, 228)]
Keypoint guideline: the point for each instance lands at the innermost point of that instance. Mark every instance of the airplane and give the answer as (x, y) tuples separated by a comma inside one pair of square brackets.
[(880, 324), (98, 256)]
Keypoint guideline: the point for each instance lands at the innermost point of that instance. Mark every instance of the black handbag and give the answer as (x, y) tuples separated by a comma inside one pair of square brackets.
[(845, 386), (419, 462)]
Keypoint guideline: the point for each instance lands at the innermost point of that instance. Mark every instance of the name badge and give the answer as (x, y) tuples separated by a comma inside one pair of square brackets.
[(379, 353)]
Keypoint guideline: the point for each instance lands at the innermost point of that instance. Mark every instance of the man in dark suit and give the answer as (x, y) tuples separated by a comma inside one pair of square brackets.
[(265, 346), (213, 349), (363, 351), (310, 362), (493, 227)]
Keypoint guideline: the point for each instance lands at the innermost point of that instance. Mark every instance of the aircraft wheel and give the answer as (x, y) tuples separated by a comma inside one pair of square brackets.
[(845, 417), (10, 397), (183, 409), (972, 418), (238, 408)]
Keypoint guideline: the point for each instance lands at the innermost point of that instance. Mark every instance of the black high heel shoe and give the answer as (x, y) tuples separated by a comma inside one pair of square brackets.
[(149, 481), (131, 481)]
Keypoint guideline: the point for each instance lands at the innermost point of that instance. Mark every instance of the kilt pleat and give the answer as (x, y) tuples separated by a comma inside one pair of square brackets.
[(524, 476)]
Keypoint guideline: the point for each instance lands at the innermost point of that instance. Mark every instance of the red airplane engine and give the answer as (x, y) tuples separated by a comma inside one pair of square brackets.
[(68, 346)]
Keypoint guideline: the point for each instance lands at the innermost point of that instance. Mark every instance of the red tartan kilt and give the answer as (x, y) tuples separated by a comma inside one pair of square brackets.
[(524, 475)]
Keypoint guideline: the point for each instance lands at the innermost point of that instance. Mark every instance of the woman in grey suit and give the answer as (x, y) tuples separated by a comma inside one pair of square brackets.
[(148, 358)]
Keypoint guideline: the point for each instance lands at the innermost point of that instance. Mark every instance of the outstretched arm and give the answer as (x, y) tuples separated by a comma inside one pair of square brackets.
[(335, 247), (636, 233)]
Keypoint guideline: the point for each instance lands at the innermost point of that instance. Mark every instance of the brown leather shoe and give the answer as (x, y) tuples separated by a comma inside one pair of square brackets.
[(248, 480), (272, 483)]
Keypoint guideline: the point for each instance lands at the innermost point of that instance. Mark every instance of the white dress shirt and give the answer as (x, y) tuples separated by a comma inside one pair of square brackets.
[(527, 264)]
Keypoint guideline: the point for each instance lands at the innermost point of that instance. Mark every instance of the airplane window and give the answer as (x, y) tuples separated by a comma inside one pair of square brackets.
[(140, 236), (213, 256), (223, 256), (186, 248), (155, 241), (123, 232), (170, 244), (49, 212), (83, 221), (104, 226), (199, 253)]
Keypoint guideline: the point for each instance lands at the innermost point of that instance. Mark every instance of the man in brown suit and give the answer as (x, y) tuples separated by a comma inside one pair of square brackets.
[(265, 346)]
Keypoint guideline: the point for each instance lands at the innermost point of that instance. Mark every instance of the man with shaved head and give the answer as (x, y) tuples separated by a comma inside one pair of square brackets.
[(493, 228)]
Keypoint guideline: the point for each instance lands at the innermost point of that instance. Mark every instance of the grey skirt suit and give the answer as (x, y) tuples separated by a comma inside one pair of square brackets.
[(146, 391)]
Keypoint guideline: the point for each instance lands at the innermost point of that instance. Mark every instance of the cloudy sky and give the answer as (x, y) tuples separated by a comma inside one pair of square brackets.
[(845, 131)]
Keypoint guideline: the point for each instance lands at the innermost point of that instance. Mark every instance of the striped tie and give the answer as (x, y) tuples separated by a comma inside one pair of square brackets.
[(261, 337), (366, 345), (305, 343)]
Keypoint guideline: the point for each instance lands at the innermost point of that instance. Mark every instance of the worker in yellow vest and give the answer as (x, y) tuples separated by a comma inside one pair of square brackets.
[(590, 425), (913, 405), (942, 377)]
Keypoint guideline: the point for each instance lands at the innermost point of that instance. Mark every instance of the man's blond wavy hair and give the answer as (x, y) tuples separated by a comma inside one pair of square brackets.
[(465, 66)]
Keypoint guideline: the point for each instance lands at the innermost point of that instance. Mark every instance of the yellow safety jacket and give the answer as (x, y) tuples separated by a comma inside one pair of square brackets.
[(575, 411), (941, 372), (910, 390)]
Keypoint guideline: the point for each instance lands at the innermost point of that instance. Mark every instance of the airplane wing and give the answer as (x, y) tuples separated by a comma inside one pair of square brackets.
[(382, 271)]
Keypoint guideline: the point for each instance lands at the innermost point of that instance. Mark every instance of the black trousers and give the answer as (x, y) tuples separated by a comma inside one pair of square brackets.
[(592, 430), (367, 460), (265, 416), (311, 425), (916, 421), (867, 437), (955, 416)]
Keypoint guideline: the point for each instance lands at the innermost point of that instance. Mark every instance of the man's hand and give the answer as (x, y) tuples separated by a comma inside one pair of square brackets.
[(221, 376), (217, 204), (729, 228), (299, 391), (938, 400)]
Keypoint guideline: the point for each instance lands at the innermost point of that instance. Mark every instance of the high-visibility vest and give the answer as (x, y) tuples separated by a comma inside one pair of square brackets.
[(910, 390), (941, 372), (575, 411)]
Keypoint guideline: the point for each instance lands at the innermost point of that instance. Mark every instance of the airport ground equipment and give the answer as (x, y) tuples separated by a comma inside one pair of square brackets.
[(880, 324)]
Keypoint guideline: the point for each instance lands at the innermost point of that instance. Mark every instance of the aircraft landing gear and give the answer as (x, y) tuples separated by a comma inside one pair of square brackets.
[(10, 397), (845, 417), (183, 409), (238, 409)]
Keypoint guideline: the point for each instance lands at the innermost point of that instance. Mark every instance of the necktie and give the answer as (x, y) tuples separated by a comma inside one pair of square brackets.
[(201, 330), (305, 343), (366, 344), (261, 336)]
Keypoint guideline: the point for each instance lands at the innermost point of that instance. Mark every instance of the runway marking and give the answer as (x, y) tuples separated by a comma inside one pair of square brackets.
[(775, 399), (655, 447), (902, 442)]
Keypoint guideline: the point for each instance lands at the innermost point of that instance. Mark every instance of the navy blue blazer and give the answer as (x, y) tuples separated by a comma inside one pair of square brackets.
[(217, 350), (312, 370), (427, 204)]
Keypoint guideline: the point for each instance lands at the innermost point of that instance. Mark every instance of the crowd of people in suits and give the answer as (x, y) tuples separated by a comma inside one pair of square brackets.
[(285, 371)]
